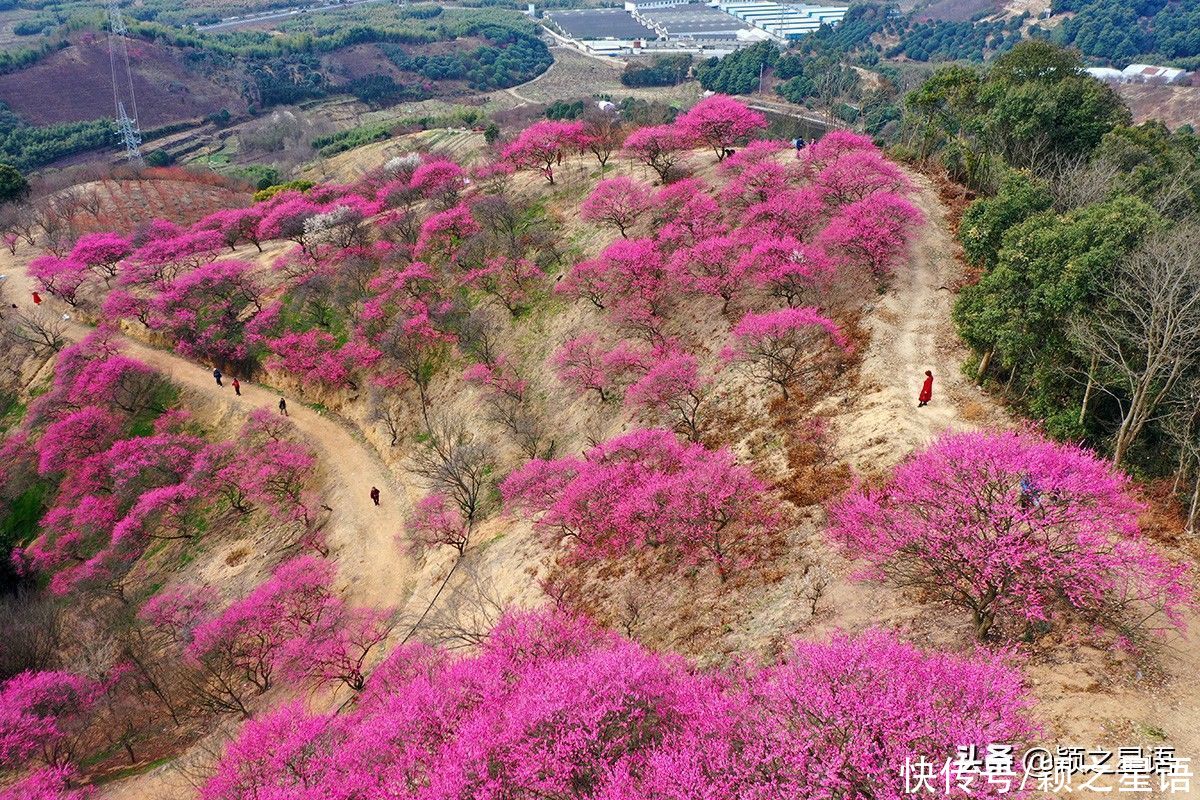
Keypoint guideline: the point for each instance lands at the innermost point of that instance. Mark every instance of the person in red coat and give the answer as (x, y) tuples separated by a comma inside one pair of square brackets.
[(926, 390), (37, 299)]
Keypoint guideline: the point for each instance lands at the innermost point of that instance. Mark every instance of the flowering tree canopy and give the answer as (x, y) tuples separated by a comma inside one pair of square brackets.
[(646, 489), (554, 707), (719, 122), (783, 346), (1020, 531)]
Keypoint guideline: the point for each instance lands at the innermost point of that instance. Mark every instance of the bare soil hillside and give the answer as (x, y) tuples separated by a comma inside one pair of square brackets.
[(76, 84)]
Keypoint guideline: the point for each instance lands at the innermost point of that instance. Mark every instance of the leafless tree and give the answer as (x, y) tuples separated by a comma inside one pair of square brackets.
[(1147, 336), (604, 134), (31, 629), (383, 409), (1076, 182), (43, 332), (453, 461)]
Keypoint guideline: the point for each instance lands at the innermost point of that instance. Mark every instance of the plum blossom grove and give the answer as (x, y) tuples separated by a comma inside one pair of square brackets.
[(554, 707), (424, 278)]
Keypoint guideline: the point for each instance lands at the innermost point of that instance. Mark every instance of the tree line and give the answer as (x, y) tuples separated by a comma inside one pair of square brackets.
[(1084, 307)]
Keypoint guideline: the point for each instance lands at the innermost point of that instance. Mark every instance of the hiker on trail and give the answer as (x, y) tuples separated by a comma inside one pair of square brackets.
[(375, 495), (217, 375), (237, 387), (926, 390), (283, 406), (37, 299)]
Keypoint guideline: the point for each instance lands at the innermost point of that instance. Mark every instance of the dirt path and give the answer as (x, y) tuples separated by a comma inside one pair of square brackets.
[(1083, 694), (911, 331), (372, 566)]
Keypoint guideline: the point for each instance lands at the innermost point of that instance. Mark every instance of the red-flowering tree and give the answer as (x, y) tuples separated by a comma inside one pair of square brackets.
[(783, 346), (756, 184), (617, 201), (235, 225), (439, 179), (61, 277), (285, 218), (543, 144), (719, 122), (663, 148), (334, 646), (646, 489), (237, 651), (714, 266), (204, 311), (436, 522), (673, 388), (834, 145), (631, 279), (48, 783), (587, 364), (796, 274), (858, 174), (872, 233), (798, 213), (158, 262), (685, 213), (551, 706), (77, 436), (442, 233), (101, 252), (317, 358), (755, 152), (1019, 531), (44, 715)]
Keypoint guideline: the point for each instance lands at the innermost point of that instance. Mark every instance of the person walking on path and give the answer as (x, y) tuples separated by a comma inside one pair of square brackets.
[(37, 299), (375, 495), (217, 375), (237, 387), (283, 407), (926, 390)]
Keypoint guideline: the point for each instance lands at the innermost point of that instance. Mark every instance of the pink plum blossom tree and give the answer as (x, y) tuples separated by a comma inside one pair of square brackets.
[(662, 148), (784, 346), (1019, 531), (618, 202), (543, 144), (673, 388), (646, 489), (719, 122)]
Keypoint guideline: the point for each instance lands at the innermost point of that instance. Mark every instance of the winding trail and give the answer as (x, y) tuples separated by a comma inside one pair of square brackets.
[(911, 331), (371, 564)]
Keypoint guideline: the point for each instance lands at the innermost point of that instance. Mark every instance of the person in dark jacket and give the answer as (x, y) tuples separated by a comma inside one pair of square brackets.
[(283, 406), (375, 495), (217, 375)]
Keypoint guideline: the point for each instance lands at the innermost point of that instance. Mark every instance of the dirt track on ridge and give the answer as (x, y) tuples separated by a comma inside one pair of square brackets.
[(370, 561), (911, 332)]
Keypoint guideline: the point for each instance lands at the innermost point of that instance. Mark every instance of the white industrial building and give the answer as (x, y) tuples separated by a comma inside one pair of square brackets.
[(1139, 73), (1148, 73), (784, 22)]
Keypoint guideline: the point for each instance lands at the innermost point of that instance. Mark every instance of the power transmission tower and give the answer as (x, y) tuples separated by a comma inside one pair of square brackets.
[(127, 127)]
